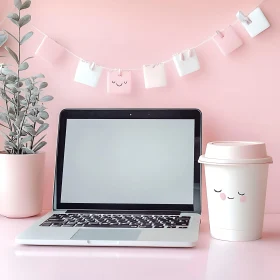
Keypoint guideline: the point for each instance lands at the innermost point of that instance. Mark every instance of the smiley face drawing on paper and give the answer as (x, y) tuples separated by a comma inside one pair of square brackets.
[(119, 82)]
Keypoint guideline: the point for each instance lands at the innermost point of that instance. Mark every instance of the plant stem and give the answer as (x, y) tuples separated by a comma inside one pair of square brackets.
[(34, 126), (23, 119), (18, 83), (4, 125), (7, 107)]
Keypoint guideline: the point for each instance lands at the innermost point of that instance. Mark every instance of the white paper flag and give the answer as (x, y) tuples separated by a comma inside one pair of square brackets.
[(154, 75), (88, 73), (257, 22), (186, 62)]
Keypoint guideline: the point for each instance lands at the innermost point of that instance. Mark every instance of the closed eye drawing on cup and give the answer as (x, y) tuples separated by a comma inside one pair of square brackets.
[(241, 193), (230, 197), (217, 191)]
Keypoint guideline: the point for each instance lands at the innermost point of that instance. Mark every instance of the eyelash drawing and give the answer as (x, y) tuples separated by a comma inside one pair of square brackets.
[(241, 193), (217, 191)]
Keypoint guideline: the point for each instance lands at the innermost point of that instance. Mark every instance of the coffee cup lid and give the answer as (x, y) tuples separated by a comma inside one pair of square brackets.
[(235, 152)]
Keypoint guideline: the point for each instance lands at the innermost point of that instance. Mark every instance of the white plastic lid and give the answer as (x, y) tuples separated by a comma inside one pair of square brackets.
[(235, 152)]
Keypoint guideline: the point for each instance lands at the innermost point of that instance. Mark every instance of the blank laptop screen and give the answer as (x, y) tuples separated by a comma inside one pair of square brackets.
[(138, 161)]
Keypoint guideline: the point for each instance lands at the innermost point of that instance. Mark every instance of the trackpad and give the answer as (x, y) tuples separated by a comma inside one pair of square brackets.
[(106, 234)]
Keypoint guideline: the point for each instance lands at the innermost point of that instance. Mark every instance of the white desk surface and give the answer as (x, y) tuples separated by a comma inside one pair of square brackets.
[(211, 259)]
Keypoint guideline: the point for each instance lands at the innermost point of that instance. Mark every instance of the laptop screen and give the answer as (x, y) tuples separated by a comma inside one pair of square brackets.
[(134, 161)]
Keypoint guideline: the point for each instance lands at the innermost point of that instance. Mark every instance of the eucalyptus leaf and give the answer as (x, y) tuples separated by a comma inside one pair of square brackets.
[(12, 117), (14, 90), (14, 21), (33, 98), (18, 121), (40, 108), (3, 38), (35, 119), (26, 37), (8, 82), (20, 97), (30, 130), (10, 86), (40, 140), (38, 76), (27, 150), (46, 98), (23, 103), (40, 121), (23, 66), (13, 16), (10, 144), (15, 126), (12, 78), (32, 118), (7, 71), (19, 84), (25, 5), (11, 110), (12, 133), (43, 115), (25, 139), (12, 53), (3, 117), (18, 4), (6, 97), (27, 125), (42, 128), (28, 82), (39, 146), (35, 90), (43, 85), (24, 20)]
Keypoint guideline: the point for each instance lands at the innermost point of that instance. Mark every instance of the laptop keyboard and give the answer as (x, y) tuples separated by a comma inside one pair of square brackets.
[(117, 221)]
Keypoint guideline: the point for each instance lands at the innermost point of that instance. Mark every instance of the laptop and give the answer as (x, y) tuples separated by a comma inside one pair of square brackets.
[(124, 177)]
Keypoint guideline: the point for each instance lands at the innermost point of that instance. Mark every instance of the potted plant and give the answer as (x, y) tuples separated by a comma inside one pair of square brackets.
[(22, 123)]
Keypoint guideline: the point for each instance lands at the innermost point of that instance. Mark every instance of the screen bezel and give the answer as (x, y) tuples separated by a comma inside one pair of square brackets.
[(67, 114)]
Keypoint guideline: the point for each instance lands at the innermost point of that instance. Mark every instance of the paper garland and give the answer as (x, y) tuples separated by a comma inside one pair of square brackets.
[(186, 62), (49, 50), (255, 23), (154, 75), (119, 82), (88, 74)]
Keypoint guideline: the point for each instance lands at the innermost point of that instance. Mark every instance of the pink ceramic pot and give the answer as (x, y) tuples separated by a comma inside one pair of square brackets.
[(21, 192)]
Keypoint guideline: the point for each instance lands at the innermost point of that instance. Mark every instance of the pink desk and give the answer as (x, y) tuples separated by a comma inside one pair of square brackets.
[(211, 259)]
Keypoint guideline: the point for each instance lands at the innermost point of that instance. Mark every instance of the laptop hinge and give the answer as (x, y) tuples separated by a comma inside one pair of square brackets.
[(141, 212)]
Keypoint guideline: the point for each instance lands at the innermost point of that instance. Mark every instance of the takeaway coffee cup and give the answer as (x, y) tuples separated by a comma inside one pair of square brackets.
[(236, 178)]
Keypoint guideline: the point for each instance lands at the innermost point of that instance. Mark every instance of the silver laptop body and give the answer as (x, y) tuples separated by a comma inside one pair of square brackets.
[(124, 177)]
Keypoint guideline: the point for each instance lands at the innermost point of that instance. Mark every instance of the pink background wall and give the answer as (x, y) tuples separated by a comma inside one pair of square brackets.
[(238, 94)]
